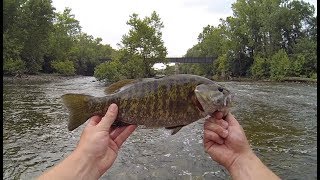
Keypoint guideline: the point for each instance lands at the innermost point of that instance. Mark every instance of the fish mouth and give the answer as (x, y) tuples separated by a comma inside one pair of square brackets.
[(199, 106), (197, 103)]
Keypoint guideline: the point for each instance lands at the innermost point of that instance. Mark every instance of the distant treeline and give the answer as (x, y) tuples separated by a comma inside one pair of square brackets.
[(264, 39), (37, 39)]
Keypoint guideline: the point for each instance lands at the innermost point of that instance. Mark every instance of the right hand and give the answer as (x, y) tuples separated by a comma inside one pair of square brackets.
[(225, 140), (100, 142)]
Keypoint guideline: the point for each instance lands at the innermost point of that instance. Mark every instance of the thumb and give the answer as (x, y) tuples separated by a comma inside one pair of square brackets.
[(231, 120), (109, 118)]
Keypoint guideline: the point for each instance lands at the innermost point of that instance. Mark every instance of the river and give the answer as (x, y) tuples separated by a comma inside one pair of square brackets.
[(279, 119)]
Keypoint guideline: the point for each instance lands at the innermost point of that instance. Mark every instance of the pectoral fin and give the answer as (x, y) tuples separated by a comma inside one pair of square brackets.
[(174, 129)]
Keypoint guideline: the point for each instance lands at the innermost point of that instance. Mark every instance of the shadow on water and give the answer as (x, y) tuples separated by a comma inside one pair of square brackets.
[(279, 120)]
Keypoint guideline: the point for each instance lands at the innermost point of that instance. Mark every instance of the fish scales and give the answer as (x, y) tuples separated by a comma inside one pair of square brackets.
[(167, 102), (165, 97)]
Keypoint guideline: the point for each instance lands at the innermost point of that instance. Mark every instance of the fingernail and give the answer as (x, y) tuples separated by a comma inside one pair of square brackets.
[(225, 133), (112, 107)]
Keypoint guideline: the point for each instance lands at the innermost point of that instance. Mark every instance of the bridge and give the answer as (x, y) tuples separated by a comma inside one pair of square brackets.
[(191, 59), (207, 60)]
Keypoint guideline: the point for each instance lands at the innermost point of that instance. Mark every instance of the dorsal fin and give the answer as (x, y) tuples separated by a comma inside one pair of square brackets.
[(113, 88)]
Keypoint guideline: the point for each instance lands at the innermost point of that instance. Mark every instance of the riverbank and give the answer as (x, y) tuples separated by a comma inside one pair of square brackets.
[(286, 79), (57, 77), (41, 78)]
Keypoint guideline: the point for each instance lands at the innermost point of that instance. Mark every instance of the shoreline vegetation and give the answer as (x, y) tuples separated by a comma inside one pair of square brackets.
[(286, 79), (36, 78), (57, 77), (272, 40)]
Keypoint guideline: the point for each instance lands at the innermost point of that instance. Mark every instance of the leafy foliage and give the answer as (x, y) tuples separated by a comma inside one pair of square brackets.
[(263, 39), (109, 71), (296, 65), (39, 37), (13, 67), (64, 67), (144, 41), (251, 42), (260, 67), (279, 65)]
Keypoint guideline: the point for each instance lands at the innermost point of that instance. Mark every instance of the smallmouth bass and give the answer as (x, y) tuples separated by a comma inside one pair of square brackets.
[(171, 102)]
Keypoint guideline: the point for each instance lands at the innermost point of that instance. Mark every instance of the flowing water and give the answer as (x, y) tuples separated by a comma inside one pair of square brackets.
[(280, 121)]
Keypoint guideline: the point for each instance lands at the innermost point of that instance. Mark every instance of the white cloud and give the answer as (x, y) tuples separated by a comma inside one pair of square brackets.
[(183, 19)]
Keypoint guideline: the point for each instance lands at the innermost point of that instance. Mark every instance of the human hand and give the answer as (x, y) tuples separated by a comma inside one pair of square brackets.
[(99, 142), (225, 140)]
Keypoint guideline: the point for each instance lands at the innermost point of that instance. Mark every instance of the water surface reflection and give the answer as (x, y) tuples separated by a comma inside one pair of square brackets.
[(279, 120)]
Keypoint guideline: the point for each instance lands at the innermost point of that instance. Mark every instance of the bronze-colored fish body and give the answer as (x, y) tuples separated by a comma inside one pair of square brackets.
[(166, 102)]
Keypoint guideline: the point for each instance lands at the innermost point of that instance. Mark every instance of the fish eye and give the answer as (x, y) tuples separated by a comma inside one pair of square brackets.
[(220, 89)]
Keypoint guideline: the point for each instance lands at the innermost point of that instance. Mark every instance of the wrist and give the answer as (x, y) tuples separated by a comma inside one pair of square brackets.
[(84, 166), (249, 166), (244, 163)]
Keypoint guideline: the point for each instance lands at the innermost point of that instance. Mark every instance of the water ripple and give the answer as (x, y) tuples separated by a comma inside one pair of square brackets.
[(279, 120)]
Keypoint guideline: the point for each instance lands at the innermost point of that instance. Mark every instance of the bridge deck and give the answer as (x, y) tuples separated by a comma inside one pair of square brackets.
[(181, 59), (191, 59)]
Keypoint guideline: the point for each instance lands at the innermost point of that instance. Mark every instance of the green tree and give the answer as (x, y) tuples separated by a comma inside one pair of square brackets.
[(37, 23), (306, 50), (13, 37), (62, 38), (133, 68), (260, 67), (11, 56), (279, 65), (190, 68), (261, 29), (88, 52), (64, 67), (296, 65), (222, 66), (145, 41), (109, 72)]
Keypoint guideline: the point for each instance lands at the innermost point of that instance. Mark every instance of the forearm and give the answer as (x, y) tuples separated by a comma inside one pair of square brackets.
[(73, 167), (250, 167)]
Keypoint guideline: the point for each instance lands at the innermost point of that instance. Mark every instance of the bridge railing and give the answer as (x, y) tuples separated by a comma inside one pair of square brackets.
[(191, 59), (181, 59)]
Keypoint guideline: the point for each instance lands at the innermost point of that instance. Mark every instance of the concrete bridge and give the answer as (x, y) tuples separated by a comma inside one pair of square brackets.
[(207, 60), (191, 59)]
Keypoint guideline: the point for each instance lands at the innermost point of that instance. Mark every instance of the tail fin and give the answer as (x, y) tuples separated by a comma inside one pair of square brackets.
[(78, 107)]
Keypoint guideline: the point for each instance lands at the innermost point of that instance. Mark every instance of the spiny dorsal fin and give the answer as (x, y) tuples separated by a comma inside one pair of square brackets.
[(113, 88), (174, 129), (123, 84)]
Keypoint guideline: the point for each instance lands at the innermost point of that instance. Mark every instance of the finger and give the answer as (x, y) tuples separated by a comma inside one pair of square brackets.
[(224, 124), (212, 136), (119, 140), (115, 132), (94, 120), (216, 150), (207, 145), (231, 120), (217, 115), (216, 128), (109, 118)]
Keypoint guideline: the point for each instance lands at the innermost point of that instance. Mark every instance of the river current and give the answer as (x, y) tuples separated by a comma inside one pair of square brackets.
[(279, 119)]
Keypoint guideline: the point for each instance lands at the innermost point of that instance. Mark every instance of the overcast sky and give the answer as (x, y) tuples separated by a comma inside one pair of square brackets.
[(183, 19)]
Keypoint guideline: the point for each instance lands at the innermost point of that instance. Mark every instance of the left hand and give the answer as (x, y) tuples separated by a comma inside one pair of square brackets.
[(100, 143)]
